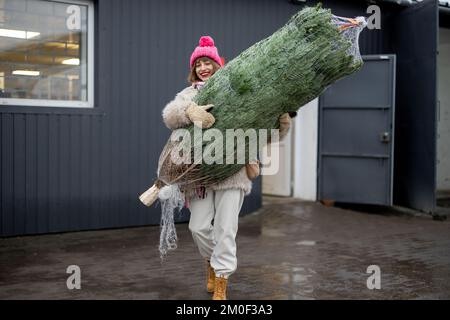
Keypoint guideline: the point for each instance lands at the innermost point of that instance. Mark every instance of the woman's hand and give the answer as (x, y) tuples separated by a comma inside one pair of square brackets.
[(284, 121), (200, 116), (285, 124), (252, 169)]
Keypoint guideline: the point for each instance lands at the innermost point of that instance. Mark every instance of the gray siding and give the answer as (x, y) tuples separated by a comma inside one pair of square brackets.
[(71, 169)]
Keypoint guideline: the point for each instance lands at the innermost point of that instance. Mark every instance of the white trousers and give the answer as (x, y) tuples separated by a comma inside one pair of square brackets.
[(217, 242)]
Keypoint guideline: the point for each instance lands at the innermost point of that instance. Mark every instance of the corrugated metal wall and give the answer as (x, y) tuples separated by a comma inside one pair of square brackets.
[(67, 169), (416, 114)]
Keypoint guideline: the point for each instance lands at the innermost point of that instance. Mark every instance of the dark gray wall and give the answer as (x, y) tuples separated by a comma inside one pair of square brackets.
[(416, 115), (70, 169), (411, 34)]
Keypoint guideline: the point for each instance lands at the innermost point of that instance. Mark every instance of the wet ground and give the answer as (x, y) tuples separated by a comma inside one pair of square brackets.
[(288, 250)]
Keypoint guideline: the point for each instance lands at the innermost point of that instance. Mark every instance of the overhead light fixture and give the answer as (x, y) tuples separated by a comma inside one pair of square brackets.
[(19, 34), (26, 73), (74, 61)]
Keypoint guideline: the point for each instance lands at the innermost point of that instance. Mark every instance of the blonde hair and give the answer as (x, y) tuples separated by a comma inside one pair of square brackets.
[(193, 77)]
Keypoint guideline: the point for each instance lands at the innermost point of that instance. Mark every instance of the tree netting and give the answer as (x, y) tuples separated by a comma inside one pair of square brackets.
[(278, 74)]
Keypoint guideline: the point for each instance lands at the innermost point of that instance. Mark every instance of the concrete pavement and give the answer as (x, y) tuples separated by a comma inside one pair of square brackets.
[(289, 249)]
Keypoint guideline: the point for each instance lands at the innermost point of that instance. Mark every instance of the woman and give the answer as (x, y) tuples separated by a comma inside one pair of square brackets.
[(221, 202)]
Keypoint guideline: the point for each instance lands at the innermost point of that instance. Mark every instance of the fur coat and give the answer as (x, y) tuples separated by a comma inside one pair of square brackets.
[(174, 116)]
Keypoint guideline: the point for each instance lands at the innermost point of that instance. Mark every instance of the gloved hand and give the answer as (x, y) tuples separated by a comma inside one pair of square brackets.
[(252, 169), (198, 113), (285, 124)]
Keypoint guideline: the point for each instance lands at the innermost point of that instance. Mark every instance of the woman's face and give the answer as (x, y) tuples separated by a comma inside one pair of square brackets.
[(204, 69)]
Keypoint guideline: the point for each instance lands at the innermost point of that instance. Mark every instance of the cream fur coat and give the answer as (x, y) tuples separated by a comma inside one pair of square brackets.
[(174, 116)]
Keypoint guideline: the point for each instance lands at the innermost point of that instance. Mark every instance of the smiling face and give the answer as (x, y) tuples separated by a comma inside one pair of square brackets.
[(204, 69)]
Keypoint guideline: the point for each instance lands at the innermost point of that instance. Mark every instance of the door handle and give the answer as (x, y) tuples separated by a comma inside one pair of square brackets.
[(385, 137)]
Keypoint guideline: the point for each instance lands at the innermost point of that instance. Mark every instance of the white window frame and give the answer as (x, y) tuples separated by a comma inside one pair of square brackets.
[(89, 64)]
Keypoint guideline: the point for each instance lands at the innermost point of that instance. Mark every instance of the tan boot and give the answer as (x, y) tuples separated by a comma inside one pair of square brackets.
[(220, 288), (210, 278)]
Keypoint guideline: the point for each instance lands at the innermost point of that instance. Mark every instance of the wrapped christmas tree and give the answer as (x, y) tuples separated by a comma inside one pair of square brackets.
[(278, 74)]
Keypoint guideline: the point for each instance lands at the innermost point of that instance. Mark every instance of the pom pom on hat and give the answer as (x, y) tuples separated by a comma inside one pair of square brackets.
[(206, 41)]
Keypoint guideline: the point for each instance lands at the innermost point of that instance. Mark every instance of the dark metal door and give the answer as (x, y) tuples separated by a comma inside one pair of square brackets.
[(356, 135)]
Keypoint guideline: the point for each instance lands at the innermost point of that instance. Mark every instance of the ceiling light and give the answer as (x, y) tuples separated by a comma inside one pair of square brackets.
[(26, 73), (20, 34), (74, 61)]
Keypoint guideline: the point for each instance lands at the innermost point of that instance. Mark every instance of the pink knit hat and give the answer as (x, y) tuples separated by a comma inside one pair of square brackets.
[(206, 48)]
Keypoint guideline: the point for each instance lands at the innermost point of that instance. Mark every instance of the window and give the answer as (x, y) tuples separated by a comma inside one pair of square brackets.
[(46, 53)]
